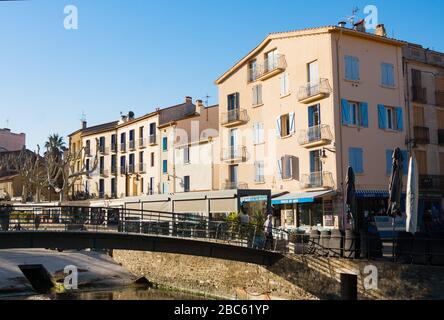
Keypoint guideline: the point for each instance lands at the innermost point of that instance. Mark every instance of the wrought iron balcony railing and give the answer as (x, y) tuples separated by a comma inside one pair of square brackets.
[(232, 185), (114, 147), (142, 142), (422, 135), (132, 145), (314, 91), (323, 179), (315, 136), (153, 139), (268, 69), (234, 117), (113, 170), (431, 183), (419, 94), (234, 153), (123, 147)]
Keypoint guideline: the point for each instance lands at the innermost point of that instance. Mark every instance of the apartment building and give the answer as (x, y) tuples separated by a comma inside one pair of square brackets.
[(424, 80), (300, 108), (10, 141), (76, 145), (189, 134)]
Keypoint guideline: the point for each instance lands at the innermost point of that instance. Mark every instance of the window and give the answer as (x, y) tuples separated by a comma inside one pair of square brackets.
[(418, 116), (87, 164), (259, 171), (285, 84), (405, 162), (186, 183), (233, 101), (165, 166), (113, 163), (102, 144), (131, 162), (421, 160), (152, 159), (252, 70), (257, 95), (141, 132), (285, 125), (151, 186), (387, 74), (355, 159), (288, 167), (164, 187), (186, 155), (258, 129), (164, 144), (113, 142), (351, 68), (122, 164), (101, 165), (354, 113), (271, 60), (390, 118), (101, 188), (113, 187)]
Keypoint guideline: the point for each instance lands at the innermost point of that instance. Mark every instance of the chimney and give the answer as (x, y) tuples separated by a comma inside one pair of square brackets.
[(380, 30), (188, 100), (360, 26), (84, 124), (342, 24), (131, 115), (200, 108)]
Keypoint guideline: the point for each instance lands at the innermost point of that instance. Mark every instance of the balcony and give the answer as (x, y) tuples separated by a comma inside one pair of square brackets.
[(314, 91), (142, 143), (131, 169), (317, 180), (441, 137), (122, 170), (234, 118), (234, 154), (103, 173), (103, 150), (270, 68), (132, 145), (113, 170), (141, 168), (431, 183), (153, 139), (419, 94), (421, 134), (439, 96), (315, 136), (113, 147), (123, 147), (232, 185)]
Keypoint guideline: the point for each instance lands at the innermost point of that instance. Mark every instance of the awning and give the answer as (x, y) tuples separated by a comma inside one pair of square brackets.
[(303, 197)]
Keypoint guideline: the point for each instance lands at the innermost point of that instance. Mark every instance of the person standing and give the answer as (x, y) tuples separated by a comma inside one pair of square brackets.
[(268, 230)]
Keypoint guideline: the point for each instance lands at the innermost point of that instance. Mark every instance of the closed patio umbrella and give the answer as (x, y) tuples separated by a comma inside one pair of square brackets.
[(412, 197), (350, 198)]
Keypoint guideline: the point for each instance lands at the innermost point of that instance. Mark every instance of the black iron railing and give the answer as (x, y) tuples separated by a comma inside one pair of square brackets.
[(422, 135)]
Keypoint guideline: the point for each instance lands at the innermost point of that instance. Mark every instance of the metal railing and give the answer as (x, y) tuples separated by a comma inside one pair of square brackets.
[(142, 142), (132, 221), (419, 94), (132, 144), (114, 147), (431, 183), (123, 147), (277, 63), (122, 170), (153, 139), (234, 153), (314, 134), (103, 149), (322, 179), (234, 116), (439, 98), (421, 134), (141, 168), (131, 168), (113, 170), (322, 87)]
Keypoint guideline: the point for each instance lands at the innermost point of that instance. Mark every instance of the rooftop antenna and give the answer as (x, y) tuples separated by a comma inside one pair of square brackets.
[(352, 18), (207, 97), (7, 123)]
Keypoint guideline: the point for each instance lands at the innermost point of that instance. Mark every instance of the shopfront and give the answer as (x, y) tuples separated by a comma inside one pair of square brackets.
[(308, 210)]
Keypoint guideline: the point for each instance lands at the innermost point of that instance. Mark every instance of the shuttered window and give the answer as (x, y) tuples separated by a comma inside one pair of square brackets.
[(387, 74), (351, 68)]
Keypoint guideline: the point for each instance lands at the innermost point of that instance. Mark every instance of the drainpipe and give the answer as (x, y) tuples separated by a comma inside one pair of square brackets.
[(408, 106), (341, 157)]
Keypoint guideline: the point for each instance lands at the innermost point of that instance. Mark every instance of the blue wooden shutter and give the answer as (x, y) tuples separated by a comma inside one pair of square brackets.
[(364, 114), (348, 68), (399, 119), (388, 157), (355, 64), (345, 106), (356, 159), (391, 74), (382, 116)]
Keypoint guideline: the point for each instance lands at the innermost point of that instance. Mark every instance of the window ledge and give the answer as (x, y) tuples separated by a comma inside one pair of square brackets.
[(287, 136), (388, 86), (392, 130), (260, 143), (257, 105), (354, 126), (353, 81), (285, 95), (259, 182), (287, 179)]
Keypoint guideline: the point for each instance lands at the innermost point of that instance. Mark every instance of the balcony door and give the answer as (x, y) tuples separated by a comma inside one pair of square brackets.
[(313, 77), (314, 123), (233, 143), (316, 168), (421, 160), (233, 174)]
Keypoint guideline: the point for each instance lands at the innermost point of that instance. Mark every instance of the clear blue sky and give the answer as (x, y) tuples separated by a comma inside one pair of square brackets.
[(136, 55)]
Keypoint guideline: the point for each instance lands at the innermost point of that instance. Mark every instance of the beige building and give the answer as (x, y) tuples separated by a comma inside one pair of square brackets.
[(300, 108), (424, 78), (10, 141)]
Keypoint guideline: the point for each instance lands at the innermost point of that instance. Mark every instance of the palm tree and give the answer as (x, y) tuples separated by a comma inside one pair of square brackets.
[(55, 145)]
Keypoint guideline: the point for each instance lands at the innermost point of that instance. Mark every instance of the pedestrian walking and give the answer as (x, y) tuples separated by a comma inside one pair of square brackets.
[(268, 230)]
